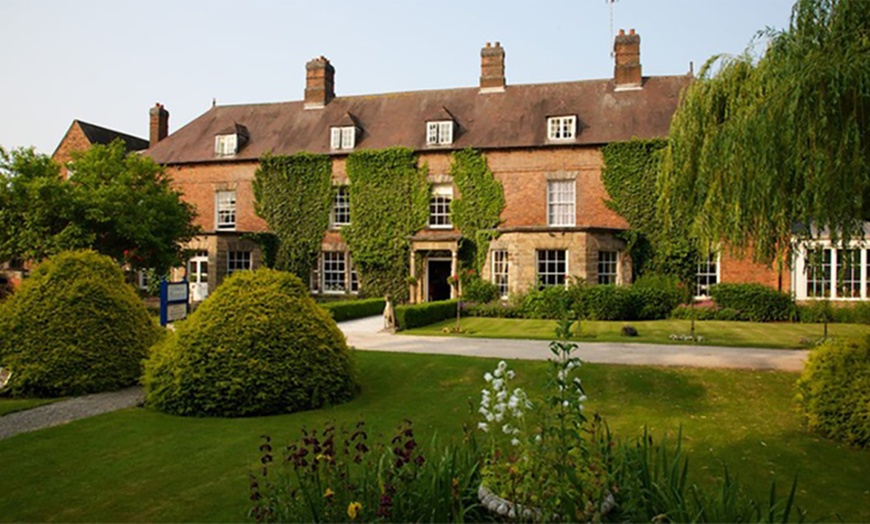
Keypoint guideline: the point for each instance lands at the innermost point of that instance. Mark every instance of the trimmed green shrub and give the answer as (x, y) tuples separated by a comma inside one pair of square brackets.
[(418, 315), (478, 290), (259, 345), (834, 390), (74, 327), (352, 309), (657, 296), (756, 303), (611, 303), (494, 309), (705, 312), (817, 311), (550, 302)]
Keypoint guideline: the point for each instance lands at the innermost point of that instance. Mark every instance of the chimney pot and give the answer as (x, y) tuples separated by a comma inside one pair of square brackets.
[(492, 68), (159, 124), (631, 31), (622, 32)]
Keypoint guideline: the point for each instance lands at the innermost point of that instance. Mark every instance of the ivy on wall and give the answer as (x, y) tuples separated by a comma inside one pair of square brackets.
[(630, 176), (389, 202), (476, 212), (293, 194)]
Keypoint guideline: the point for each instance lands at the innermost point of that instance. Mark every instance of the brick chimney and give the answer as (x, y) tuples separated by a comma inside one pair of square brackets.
[(319, 83), (626, 71), (492, 69), (159, 124)]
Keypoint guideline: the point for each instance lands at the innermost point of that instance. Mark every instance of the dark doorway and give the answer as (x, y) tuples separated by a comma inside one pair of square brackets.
[(439, 272)]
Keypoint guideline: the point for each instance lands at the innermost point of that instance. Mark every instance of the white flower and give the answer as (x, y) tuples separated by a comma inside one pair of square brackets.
[(501, 396), (537, 439), (561, 374), (582, 398), (515, 442), (564, 403), (502, 365), (511, 374), (489, 417), (497, 372), (483, 426), (498, 417), (507, 429), (497, 384), (487, 377)]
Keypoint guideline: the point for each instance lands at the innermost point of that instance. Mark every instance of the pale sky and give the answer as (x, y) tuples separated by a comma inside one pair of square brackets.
[(107, 62)]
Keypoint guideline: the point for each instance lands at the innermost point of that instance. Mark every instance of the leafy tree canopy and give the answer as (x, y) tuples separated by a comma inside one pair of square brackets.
[(760, 149), (116, 203)]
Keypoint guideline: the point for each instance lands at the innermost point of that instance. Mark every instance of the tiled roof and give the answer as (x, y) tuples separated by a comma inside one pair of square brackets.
[(515, 118), (100, 135)]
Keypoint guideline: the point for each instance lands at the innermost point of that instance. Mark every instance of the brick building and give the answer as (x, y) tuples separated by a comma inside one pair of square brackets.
[(542, 142), (81, 136)]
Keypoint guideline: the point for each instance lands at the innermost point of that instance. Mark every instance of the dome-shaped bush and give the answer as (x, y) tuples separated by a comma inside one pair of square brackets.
[(259, 345), (74, 327), (834, 390)]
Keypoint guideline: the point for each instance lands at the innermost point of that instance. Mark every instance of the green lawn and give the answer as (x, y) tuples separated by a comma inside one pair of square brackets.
[(11, 405), (715, 332), (139, 465)]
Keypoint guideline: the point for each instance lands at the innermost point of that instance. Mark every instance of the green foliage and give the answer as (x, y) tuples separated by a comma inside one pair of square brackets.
[(342, 310), (476, 212), (551, 302), (654, 299), (705, 312), (495, 309), (293, 194), (417, 315), (757, 146), (818, 311), (119, 204), (259, 345), (834, 390), (389, 199), (268, 243), (341, 475), (478, 290), (74, 327), (755, 302)]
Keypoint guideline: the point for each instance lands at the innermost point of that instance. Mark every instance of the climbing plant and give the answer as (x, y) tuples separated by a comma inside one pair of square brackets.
[(293, 195), (476, 212), (630, 176), (389, 202)]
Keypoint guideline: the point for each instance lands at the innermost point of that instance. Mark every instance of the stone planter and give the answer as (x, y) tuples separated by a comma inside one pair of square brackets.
[(507, 509)]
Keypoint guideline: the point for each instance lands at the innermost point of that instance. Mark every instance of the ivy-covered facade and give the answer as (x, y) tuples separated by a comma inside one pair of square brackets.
[(392, 194)]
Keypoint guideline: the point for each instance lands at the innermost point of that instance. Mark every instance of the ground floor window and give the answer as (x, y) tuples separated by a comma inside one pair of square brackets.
[(828, 272), (500, 271), (607, 267), (707, 275), (334, 274), (552, 266), (238, 261)]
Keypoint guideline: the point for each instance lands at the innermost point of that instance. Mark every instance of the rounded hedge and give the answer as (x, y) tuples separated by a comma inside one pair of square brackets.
[(259, 345), (834, 390), (74, 327)]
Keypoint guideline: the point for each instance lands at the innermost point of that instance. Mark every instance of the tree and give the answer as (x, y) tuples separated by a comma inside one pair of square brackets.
[(760, 146), (119, 204)]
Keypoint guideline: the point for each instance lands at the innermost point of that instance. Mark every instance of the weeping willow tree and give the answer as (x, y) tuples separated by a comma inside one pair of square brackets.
[(762, 149)]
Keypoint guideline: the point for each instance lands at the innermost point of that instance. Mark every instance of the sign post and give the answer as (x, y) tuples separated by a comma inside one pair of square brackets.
[(173, 300)]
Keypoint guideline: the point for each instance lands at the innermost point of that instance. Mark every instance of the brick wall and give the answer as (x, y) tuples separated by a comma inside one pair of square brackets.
[(744, 270), (74, 140)]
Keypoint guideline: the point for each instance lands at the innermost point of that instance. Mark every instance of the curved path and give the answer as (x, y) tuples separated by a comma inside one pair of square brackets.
[(366, 334)]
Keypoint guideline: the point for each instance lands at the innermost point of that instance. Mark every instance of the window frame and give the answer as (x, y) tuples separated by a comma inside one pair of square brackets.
[(541, 277), (340, 208), (559, 209), (562, 128), (500, 271), (439, 132), (342, 138), (333, 263), (238, 261), (439, 207), (705, 279), (608, 270), (225, 210), (226, 145)]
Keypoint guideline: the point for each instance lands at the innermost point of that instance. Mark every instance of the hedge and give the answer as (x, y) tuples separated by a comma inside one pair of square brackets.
[(834, 390), (259, 345), (353, 309), (74, 327), (417, 315), (755, 302)]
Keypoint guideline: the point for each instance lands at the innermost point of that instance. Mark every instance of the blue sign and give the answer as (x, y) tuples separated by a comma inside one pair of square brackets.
[(173, 300)]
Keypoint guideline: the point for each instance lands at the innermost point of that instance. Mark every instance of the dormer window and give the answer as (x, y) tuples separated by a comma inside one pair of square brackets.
[(439, 133), (561, 128), (226, 145), (342, 137)]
